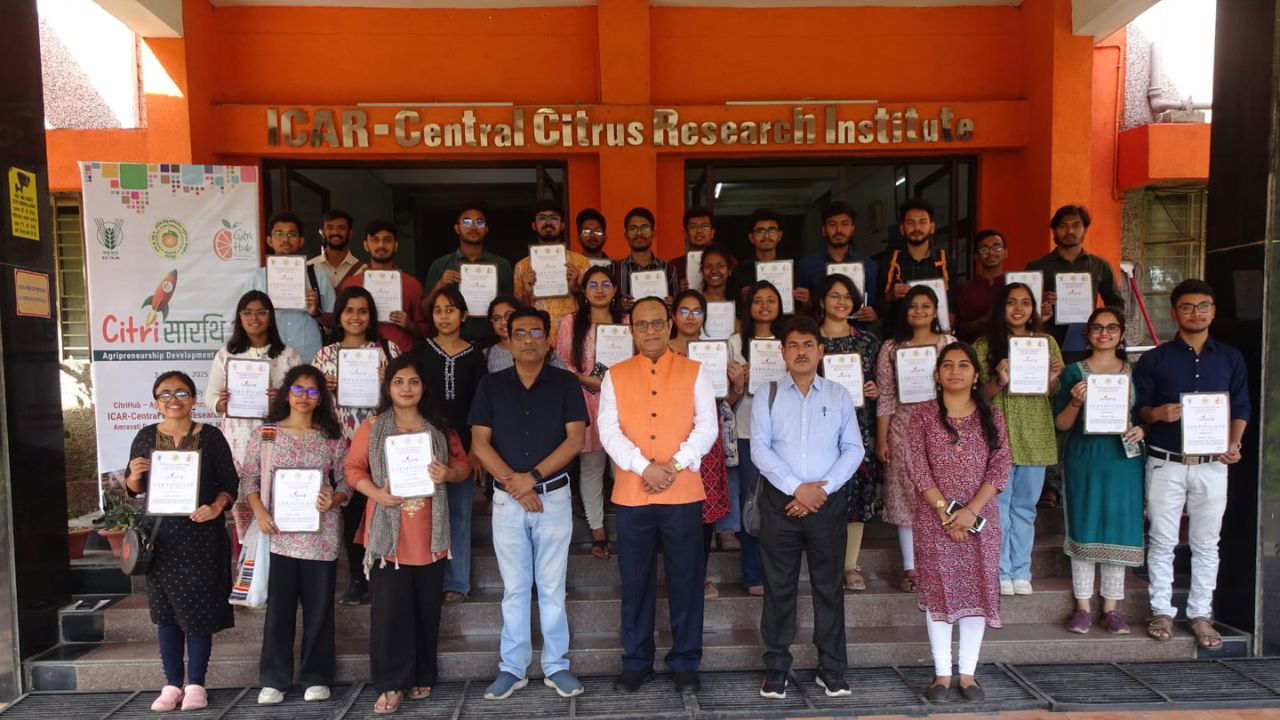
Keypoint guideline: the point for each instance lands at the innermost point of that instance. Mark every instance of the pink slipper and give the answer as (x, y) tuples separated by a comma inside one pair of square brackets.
[(170, 696), (195, 698)]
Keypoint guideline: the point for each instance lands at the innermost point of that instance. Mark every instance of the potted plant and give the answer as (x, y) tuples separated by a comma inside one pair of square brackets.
[(119, 512), (77, 534)]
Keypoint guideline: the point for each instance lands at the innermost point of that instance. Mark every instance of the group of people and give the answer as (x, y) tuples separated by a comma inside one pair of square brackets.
[(790, 465)]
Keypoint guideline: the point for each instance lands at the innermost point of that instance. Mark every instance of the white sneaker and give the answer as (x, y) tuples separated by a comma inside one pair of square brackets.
[(1021, 587), (270, 696), (1006, 587), (316, 692)]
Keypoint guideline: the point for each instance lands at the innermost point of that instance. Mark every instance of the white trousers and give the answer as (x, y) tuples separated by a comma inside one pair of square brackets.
[(1082, 572), (971, 632), (1202, 490), (907, 542), (591, 486)]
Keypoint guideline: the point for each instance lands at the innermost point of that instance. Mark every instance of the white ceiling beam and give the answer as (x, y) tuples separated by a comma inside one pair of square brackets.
[(1100, 18), (148, 18)]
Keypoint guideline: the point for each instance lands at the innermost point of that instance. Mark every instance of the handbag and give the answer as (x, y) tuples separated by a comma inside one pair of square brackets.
[(138, 545), (253, 568), (751, 508)]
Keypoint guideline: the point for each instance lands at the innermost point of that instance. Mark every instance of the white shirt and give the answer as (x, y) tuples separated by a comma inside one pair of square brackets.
[(706, 426)]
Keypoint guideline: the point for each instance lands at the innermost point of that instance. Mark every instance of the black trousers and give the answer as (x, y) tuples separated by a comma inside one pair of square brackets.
[(820, 536), (404, 624), (352, 514), (679, 529), (310, 582)]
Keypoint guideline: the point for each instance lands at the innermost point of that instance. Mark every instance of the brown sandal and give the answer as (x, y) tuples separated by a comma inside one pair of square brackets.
[(908, 582), (1160, 628), (1206, 636)]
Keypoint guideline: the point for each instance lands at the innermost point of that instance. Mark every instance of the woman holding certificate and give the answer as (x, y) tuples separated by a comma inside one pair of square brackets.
[(190, 575), (1020, 370), (959, 460), (760, 310), (576, 342), (238, 391), (398, 460), (353, 363), (719, 466), (838, 301), (293, 478), (453, 369), (904, 380), (1104, 467)]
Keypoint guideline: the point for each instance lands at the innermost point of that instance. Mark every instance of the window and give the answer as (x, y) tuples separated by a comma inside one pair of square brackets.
[(73, 304), (1172, 248)]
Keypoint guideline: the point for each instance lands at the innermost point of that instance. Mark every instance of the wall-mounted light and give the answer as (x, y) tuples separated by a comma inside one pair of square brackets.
[(718, 186)]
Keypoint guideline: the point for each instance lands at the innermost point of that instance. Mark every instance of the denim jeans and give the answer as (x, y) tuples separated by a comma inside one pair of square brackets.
[(1018, 520), (457, 574), (733, 521), (533, 548), (752, 566)]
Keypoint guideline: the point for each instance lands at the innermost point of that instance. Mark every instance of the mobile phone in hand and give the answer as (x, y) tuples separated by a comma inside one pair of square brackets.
[(978, 524)]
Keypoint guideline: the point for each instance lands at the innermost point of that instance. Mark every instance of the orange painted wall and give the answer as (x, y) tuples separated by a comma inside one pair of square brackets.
[(1106, 203), (1162, 153)]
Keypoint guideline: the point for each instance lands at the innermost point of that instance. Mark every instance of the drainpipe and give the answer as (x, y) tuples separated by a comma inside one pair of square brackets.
[(1154, 92)]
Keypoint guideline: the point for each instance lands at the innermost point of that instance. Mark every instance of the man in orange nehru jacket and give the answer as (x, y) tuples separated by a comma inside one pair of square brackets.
[(657, 419)]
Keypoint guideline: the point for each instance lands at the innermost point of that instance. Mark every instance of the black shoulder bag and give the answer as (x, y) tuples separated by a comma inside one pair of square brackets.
[(138, 544)]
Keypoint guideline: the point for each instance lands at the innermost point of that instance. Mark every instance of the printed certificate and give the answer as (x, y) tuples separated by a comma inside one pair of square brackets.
[(714, 357), (549, 263), (287, 281), (408, 459), (915, 366), (479, 286), (693, 269), (293, 499), (173, 483), (852, 270), (358, 383), (720, 320), (766, 363), (1206, 423), (944, 306), (1106, 404), (1028, 366), (649, 283), (1033, 279), (248, 381), (846, 369), (387, 292), (613, 344), (780, 273), (1075, 298)]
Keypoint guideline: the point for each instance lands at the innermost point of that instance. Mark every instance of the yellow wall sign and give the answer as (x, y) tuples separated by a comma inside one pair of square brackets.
[(24, 209), (31, 290)]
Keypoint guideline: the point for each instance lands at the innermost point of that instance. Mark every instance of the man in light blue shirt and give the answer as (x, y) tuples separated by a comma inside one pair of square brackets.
[(300, 329), (806, 444)]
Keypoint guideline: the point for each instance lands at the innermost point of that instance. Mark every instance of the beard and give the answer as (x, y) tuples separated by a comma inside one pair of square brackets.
[(335, 242)]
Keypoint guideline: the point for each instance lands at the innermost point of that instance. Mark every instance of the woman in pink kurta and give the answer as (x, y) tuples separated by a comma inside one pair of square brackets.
[(959, 452)]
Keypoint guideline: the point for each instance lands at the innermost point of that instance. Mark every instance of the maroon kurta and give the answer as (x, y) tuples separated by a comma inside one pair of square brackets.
[(956, 580)]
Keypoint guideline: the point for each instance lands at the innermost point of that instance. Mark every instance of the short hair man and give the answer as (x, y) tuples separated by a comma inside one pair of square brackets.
[(472, 227), (975, 297), (699, 233), (765, 236), (657, 420), (806, 443), (548, 226), (528, 423), (838, 220), (335, 257), (640, 226), (592, 236), (300, 329), (1190, 362), (919, 259), (408, 322)]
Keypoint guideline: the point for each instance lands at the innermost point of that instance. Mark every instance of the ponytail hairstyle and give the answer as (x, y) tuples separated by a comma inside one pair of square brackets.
[(748, 332), (1119, 316), (985, 414), (582, 318), (998, 327)]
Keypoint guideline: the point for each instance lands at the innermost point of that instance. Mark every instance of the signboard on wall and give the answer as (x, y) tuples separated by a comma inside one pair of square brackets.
[(168, 249)]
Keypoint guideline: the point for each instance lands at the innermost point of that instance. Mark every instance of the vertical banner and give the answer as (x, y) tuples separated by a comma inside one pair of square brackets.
[(168, 249)]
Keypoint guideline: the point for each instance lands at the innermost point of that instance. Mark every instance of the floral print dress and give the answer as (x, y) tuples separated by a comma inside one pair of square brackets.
[(303, 450), (326, 361)]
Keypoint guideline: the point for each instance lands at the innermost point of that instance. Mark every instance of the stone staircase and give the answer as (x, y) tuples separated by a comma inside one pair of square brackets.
[(109, 641)]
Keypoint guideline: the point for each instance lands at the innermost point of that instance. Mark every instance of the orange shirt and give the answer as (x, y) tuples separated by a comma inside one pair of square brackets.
[(556, 307)]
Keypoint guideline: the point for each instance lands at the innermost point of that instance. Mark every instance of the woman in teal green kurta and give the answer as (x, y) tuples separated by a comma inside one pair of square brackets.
[(1103, 490)]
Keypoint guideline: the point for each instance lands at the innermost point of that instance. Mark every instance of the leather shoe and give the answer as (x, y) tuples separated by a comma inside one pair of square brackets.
[(687, 682), (631, 680)]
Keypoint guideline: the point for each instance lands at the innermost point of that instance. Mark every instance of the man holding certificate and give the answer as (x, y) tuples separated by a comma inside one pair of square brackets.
[(557, 296), (528, 423), (658, 418), (765, 237), (641, 274), (397, 294), (1193, 392), (837, 232), (699, 234), (300, 327), (919, 259), (471, 227)]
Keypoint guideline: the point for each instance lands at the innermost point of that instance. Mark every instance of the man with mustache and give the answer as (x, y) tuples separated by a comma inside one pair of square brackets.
[(592, 237), (837, 229), (640, 227), (548, 224), (975, 297), (408, 321), (472, 227), (699, 233), (1070, 225), (336, 258), (765, 237), (919, 259)]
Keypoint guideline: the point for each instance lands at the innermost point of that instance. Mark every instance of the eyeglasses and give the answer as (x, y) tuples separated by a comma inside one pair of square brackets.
[(839, 297), (299, 391), (547, 217), (765, 231), (1109, 328), (599, 285), (588, 232), (477, 223), (686, 312), (167, 395), (1188, 308), (536, 334), (281, 234), (259, 313), (639, 229), (988, 249), (500, 318), (700, 227), (647, 325)]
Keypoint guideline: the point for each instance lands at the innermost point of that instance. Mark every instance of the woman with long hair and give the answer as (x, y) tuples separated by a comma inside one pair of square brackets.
[(1032, 441), (453, 368), (254, 336), (406, 540), (356, 328), (759, 314), (959, 454), (303, 432), (720, 464), (1104, 476), (917, 326), (576, 343), (835, 306), (190, 575)]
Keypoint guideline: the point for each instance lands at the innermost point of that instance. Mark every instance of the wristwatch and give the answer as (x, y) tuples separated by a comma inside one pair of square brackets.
[(676, 464), (536, 475)]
